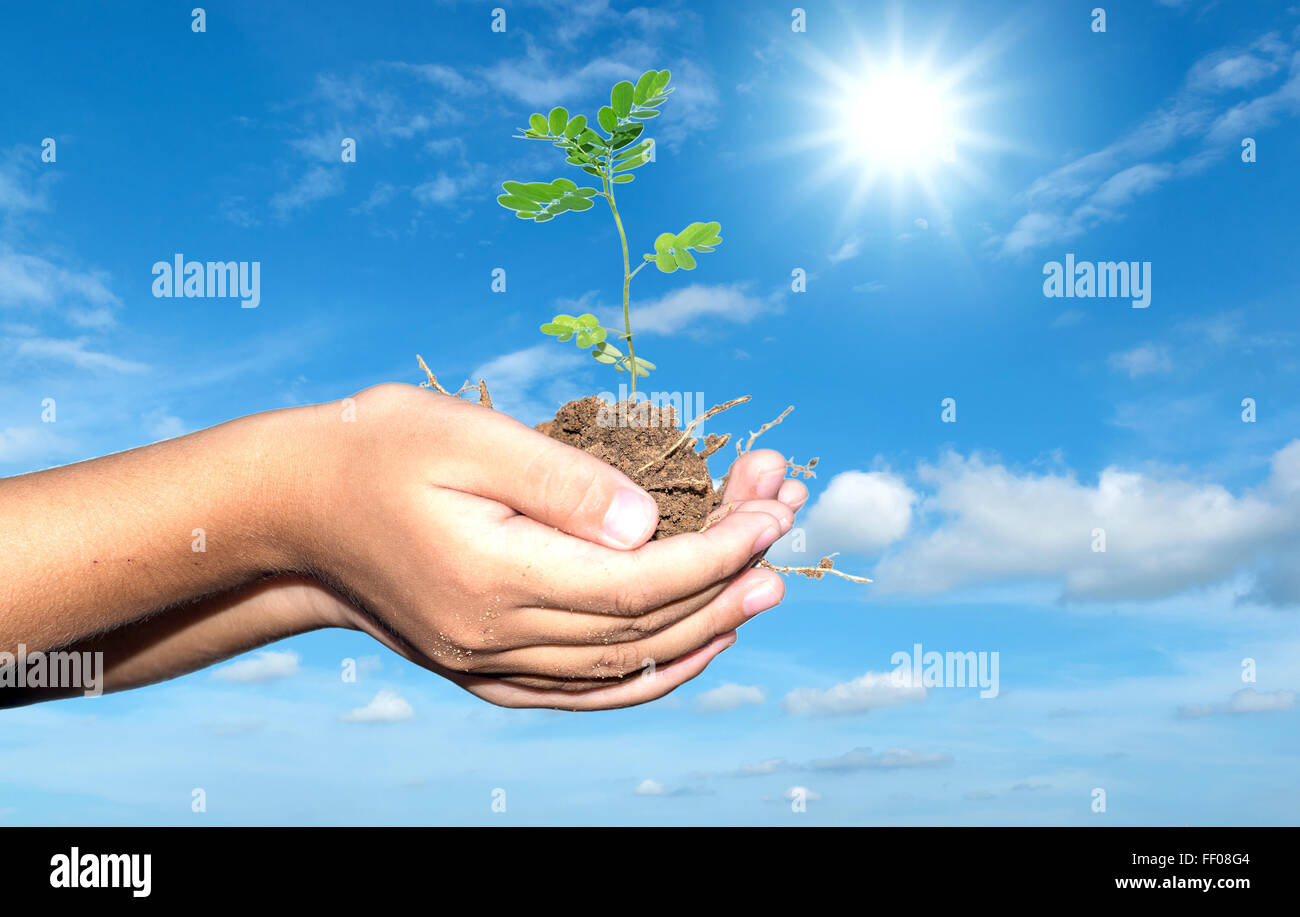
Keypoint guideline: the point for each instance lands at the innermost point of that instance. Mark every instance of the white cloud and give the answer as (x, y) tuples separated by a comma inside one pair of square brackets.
[(858, 512), (1144, 360), (677, 311), (21, 444), (28, 280), (848, 249), (871, 286), (385, 707), (529, 384), (1163, 534), (1247, 700), (802, 792), (730, 696), (266, 666), (1096, 188), (74, 352), (869, 691), (649, 787), (316, 184), (860, 759)]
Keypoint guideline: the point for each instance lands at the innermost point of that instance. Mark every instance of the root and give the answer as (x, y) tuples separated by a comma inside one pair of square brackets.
[(761, 430), (483, 397), (686, 434), (805, 470), (826, 565), (718, 515)]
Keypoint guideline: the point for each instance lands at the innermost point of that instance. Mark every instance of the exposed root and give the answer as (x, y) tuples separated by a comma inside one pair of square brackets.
[(483, 397), (686, 434), (719, 514), (826, 565), (761, 430), (805, 470)]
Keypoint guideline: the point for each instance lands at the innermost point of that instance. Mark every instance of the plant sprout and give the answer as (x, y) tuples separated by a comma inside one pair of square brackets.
[(611, 157)]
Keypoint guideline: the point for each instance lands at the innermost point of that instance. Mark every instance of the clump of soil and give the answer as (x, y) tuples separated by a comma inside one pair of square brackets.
[(638, 439)]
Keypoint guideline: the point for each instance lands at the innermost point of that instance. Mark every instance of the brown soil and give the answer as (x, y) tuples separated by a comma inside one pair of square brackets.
[(630, 436)]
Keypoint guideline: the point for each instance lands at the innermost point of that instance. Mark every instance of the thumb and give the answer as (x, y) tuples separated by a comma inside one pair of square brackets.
[(499, 458)]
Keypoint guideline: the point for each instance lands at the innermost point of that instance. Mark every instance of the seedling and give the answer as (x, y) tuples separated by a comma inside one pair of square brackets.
[(610, 157)]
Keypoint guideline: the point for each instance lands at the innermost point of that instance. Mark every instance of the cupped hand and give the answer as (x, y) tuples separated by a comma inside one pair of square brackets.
[(517, 566)]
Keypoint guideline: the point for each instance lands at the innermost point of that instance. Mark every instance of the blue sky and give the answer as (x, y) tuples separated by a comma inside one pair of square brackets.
[(1119, 670)]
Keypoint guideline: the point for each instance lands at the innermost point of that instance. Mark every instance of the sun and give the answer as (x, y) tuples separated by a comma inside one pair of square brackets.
[(909, 118), (898, 121)]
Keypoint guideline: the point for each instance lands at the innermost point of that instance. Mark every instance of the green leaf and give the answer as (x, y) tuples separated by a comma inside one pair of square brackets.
[(646, 115), (591, 138), (664, 242), (662, 81), (540, 191), (642, 147), (587, 320), (666, 262), (623, 179), (580, 203), (592, 170), (607, 119), (577, 124), (620, 97), (634, 163), (684, 259), (597, 334), (607, 353), (511, 202), (587, 192), (557, 120), (553, 329), (567, 321), (626, 134), (539, 124), (644, 86), (564, 185), (584, 339), (642, 361)]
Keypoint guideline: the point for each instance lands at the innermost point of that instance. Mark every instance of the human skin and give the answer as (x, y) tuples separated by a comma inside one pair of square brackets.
[(512, 564)]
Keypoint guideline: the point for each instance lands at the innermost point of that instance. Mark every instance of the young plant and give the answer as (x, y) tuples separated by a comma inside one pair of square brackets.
[(610, 156)]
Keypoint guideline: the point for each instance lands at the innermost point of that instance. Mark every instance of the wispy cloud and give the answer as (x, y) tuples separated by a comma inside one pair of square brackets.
[(263, 667), (1203, 123), (385, 707), (730, 696), (869, 691)]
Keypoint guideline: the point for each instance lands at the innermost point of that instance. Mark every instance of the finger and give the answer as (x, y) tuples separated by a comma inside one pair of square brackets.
[(755, 475), (544, 479), (793, 494), (545, 568), (752, 592), (627, 693)]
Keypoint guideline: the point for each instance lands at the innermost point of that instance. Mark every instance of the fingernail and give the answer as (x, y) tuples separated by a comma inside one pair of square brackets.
[(766, 538), (760, 598), (629, 517)]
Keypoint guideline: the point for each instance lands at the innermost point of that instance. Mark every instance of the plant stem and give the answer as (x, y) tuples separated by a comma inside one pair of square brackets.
[(627, 274)]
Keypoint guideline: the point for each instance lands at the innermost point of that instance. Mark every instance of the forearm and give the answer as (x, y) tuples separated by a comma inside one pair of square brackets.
[(90, 547), (197, 635)]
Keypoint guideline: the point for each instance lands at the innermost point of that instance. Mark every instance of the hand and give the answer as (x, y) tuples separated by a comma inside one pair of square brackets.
[(518, 566)]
